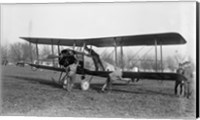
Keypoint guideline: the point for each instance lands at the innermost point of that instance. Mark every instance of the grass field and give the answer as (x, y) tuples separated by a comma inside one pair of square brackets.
[(35, 93)]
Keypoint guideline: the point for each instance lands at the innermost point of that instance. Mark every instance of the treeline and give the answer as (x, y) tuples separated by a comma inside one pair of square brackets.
[(22, 52), (25, 52), (145, 63)]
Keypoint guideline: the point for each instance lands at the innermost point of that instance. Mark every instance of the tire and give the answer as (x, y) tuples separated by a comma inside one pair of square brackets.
[(85, 85), (33, 68)]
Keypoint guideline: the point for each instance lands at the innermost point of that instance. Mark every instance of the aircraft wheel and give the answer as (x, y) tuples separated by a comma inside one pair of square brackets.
[(128, 82), (67, 84), (85, 85), (33, 68)]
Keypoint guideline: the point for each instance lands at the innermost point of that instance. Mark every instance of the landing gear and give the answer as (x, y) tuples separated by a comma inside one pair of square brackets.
[(128, 82), (135, 79), (67, 83), (85, 85), (33, 68)]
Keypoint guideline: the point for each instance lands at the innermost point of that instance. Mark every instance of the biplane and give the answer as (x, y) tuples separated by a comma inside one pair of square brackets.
[(156, 40)]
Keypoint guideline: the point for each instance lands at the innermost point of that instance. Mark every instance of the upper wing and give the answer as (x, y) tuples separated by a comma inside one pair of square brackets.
[(138, 40), (55, 41), (134, 40)]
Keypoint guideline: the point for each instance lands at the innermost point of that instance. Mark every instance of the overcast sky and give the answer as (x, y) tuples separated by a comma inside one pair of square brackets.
[(87, 20)]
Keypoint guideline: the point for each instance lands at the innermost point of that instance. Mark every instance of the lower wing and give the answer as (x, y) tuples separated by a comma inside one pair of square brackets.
[(140, 75)]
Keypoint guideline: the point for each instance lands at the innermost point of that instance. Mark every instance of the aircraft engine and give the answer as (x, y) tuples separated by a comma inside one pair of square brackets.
[(66, 57)]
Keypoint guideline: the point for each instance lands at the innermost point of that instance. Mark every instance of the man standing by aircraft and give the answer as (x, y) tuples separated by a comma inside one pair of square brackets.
[(115, 75), (71, 74), (70, 63), (96, 59), (186, 70), (179, 83), (188, 74)]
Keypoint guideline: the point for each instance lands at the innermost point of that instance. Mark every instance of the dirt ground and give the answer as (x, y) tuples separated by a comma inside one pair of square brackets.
[(35, 93)]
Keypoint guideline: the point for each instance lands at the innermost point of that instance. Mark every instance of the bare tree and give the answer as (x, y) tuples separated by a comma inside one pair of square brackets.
[(45, 51), (27, 51), (190, 59), (21, 51), (16, 52), (131, 61), (157, 66), (146, 62), (107, 57), (4, 52), (171, 63), (179, 57)]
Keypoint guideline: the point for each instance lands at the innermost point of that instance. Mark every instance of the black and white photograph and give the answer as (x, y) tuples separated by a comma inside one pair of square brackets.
[(99, 59)]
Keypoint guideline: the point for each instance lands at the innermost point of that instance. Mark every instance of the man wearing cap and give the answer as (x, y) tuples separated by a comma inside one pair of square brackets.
[(188, 74)]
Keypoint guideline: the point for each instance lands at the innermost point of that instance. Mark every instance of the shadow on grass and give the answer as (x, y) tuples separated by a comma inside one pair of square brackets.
[(51, 82), (94, 86), (98, 87), (145, 91)]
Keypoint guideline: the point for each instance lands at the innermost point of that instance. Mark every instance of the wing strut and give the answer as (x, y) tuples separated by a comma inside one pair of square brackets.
[(31, 55), (122, 61), (58, 47), (37, 52), (156, 55), (59, 54), (115, 52), (161, 57), (52, 49), (74, 45)]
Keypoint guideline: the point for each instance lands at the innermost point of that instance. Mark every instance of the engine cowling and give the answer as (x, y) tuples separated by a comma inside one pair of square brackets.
[(66, 58)]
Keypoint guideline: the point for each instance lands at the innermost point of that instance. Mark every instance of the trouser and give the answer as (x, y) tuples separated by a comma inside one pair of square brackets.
[(69, 79), (180, 84), (68, 82), (186, 86), (107, 84), (189, 89)]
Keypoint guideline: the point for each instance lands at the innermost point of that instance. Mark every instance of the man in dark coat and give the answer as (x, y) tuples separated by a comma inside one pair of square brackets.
[(179, 83)]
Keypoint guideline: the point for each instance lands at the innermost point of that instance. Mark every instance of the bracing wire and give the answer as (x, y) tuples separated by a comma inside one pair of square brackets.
[(143, 56)]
